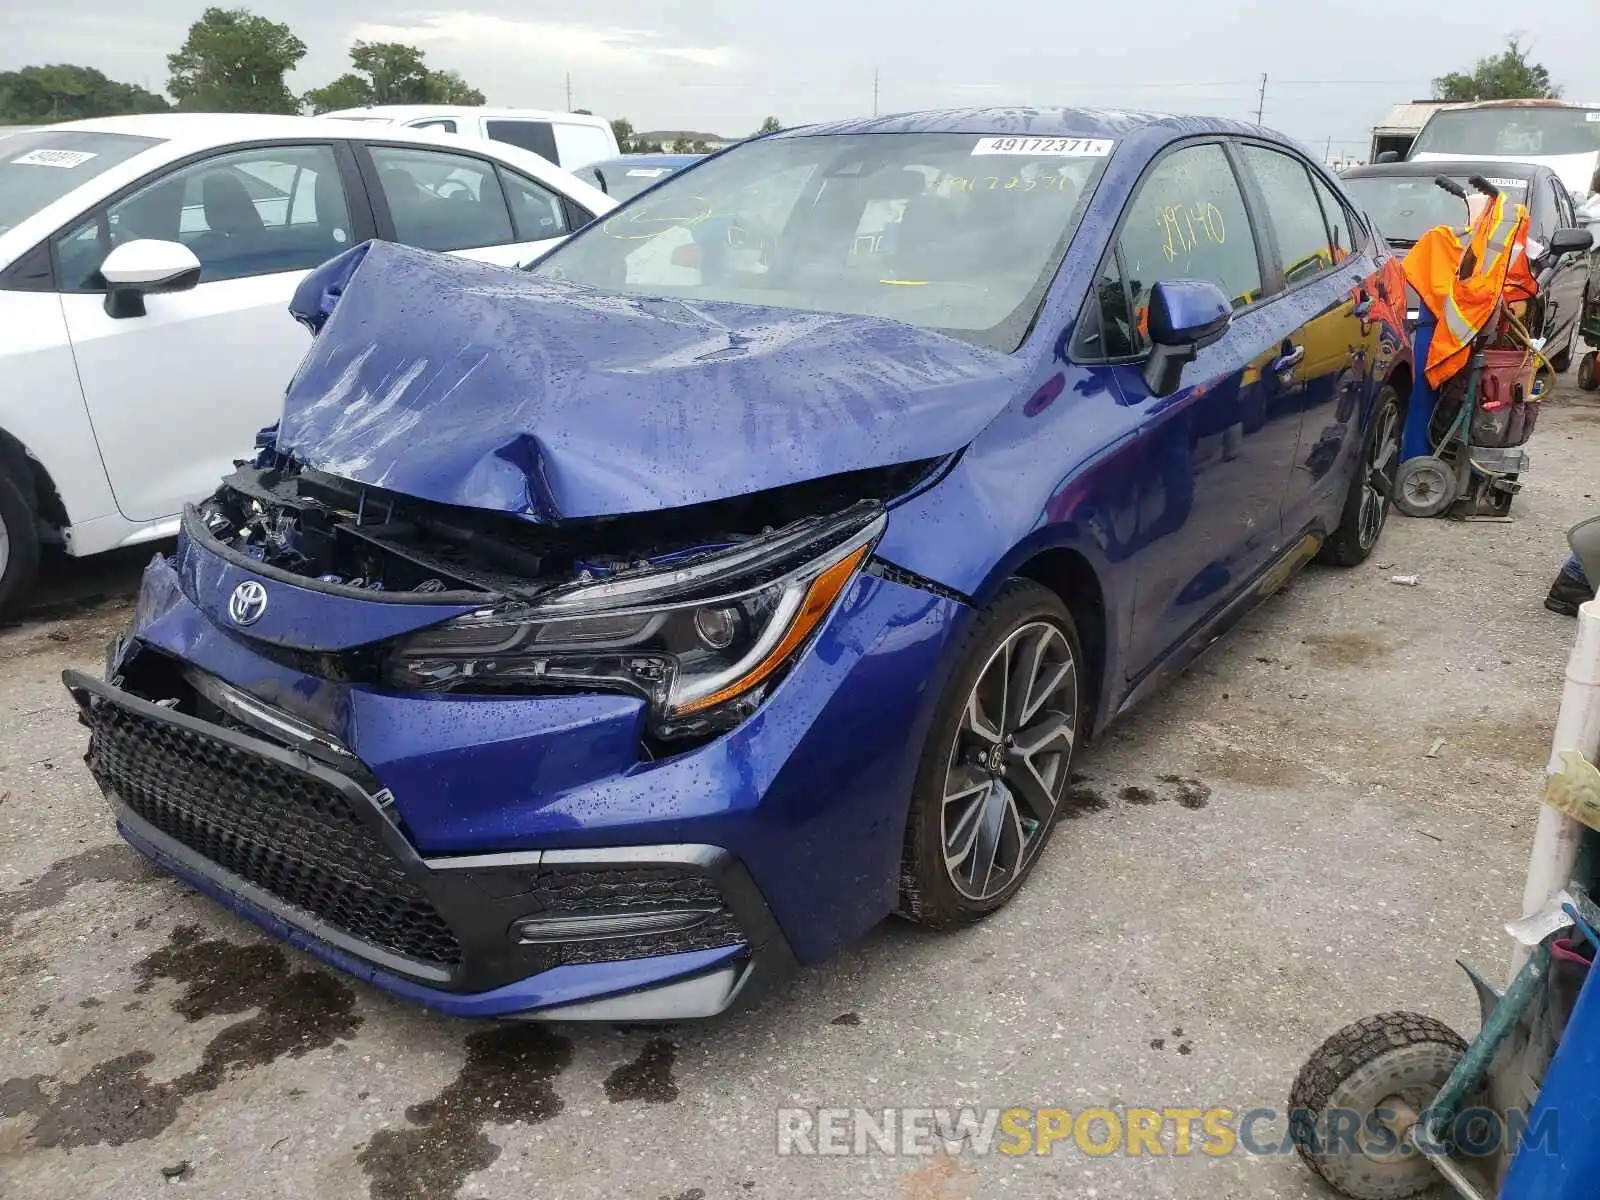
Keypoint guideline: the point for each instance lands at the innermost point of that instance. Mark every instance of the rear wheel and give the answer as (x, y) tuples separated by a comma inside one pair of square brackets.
[(19, 538), (997, 760), (1366, 507)]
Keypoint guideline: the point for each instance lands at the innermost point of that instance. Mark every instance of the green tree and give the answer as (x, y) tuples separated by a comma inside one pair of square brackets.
[(391, 73), (235, 61), (66, 92), (622, 128), (770, 125), (1504, 76)]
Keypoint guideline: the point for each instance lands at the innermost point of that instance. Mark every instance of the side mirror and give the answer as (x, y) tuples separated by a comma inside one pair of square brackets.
[(1568, 241), (1186, 316), (145, 267), (1388, 156)]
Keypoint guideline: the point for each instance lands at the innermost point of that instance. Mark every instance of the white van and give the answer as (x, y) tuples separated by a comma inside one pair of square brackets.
[(570, 140), (1549, 133)]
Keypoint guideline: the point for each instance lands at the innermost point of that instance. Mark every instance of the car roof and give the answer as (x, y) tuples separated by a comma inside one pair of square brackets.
[(1030, 122), (210, 129), (1446, 166), (407, 112)]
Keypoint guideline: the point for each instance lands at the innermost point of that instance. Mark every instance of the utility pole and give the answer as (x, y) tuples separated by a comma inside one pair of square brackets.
[(1261, 101), (569, 90), (874, 91), (1327, 155)]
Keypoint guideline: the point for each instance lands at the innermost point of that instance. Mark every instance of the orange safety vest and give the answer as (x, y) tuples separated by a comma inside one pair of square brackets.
[(1498, 243)]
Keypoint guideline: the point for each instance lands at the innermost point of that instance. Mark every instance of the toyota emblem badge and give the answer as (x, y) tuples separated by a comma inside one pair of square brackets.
[(248, 603)]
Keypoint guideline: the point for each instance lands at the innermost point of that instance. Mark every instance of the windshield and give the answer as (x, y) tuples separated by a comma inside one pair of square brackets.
[(953, 232), (1404, 207), (37, 169), (1510, 132)]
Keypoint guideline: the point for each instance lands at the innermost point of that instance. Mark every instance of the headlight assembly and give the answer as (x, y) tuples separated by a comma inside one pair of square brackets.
[(701, 641)]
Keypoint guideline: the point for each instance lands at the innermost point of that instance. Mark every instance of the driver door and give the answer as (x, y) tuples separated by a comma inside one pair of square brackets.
[(177, 394)]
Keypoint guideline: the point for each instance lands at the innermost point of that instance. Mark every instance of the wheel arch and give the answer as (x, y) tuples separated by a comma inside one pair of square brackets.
[(1400, 379), (47, 502), (1071, 576)]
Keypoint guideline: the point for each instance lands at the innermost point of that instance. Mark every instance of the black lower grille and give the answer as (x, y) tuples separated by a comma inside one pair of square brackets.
[(636, 889), (285, 831)]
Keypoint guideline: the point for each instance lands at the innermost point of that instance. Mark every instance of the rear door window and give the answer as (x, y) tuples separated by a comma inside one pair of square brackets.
[(1293, 211), (536, 211), (442, 201), (1342, 224), (537, 136)]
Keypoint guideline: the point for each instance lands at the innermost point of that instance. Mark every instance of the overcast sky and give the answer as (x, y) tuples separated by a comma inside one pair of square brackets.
[(722, 65)]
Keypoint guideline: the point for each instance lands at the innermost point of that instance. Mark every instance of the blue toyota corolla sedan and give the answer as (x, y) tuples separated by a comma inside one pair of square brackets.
[(603, 640)]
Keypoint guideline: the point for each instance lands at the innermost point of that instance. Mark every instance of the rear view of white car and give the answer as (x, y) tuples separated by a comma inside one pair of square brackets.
[(145, 268)]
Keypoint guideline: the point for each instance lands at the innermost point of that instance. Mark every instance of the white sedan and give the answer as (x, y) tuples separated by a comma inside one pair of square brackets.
[(145, 268)]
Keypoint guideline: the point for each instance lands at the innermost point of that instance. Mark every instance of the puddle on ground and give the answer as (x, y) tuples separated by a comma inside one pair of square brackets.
[(508, 1077), (112, 863), (648, 1077)]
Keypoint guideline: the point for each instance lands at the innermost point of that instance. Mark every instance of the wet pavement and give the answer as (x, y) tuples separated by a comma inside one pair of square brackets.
[(1261, 854)]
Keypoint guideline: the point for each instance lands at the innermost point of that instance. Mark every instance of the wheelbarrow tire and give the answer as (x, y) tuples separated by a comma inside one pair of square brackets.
[(1401, 1054), (1588, 377), (1424, 486)]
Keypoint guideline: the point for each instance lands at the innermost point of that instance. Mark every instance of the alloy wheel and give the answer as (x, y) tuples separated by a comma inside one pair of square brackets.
[(1009, 764), (1378, 482)]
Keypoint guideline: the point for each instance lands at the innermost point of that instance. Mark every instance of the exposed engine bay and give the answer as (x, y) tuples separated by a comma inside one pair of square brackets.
[(350, 535)]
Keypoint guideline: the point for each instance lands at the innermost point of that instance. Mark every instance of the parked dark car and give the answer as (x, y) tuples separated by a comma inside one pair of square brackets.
[(601, 640), (625, 177), (1404, 204)]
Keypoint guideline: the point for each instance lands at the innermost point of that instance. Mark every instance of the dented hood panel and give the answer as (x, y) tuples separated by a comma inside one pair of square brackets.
[(475, 385)]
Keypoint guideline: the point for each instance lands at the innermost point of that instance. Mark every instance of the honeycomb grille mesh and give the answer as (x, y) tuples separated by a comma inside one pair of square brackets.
[(285, 831)]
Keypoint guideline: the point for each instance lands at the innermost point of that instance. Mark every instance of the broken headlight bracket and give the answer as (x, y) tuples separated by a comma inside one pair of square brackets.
[(701, 642)]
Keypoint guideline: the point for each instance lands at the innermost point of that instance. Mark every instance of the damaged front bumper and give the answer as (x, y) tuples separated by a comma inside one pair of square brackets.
[(512, 854)]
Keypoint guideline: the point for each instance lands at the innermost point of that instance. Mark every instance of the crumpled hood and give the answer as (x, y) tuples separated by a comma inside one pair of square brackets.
[(476, 385)]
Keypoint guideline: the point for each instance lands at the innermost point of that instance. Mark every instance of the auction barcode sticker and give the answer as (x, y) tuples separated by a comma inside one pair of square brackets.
[(1508, 183), (1071, 147), (647, 172), (1591, 116), (53, 158)]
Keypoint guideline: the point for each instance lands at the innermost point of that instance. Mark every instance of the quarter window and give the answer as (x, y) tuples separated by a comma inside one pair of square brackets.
[(442, 201), (1188, 221), (251, 212), (1293, 211)]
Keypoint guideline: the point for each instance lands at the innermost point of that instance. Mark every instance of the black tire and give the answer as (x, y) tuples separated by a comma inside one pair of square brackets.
[(1395, 1053), (1561, 363), (19, 534), (1588, 376), (1367, 504), (928, 894)]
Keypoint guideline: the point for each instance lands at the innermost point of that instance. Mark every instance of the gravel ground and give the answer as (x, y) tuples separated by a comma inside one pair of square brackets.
[(1181, 944)]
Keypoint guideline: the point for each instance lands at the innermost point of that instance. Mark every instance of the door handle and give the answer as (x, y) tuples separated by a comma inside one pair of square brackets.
[(1288, 360), (1363, 305)]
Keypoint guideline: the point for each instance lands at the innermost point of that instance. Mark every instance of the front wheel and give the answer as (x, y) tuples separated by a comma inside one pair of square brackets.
[(19, 541), (1362, 1070), (997, 760), (1366, 506)]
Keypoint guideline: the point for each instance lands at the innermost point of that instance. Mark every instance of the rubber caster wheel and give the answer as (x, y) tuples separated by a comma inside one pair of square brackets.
[(1589, 372), (1397, 1055), (1424, 486)]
